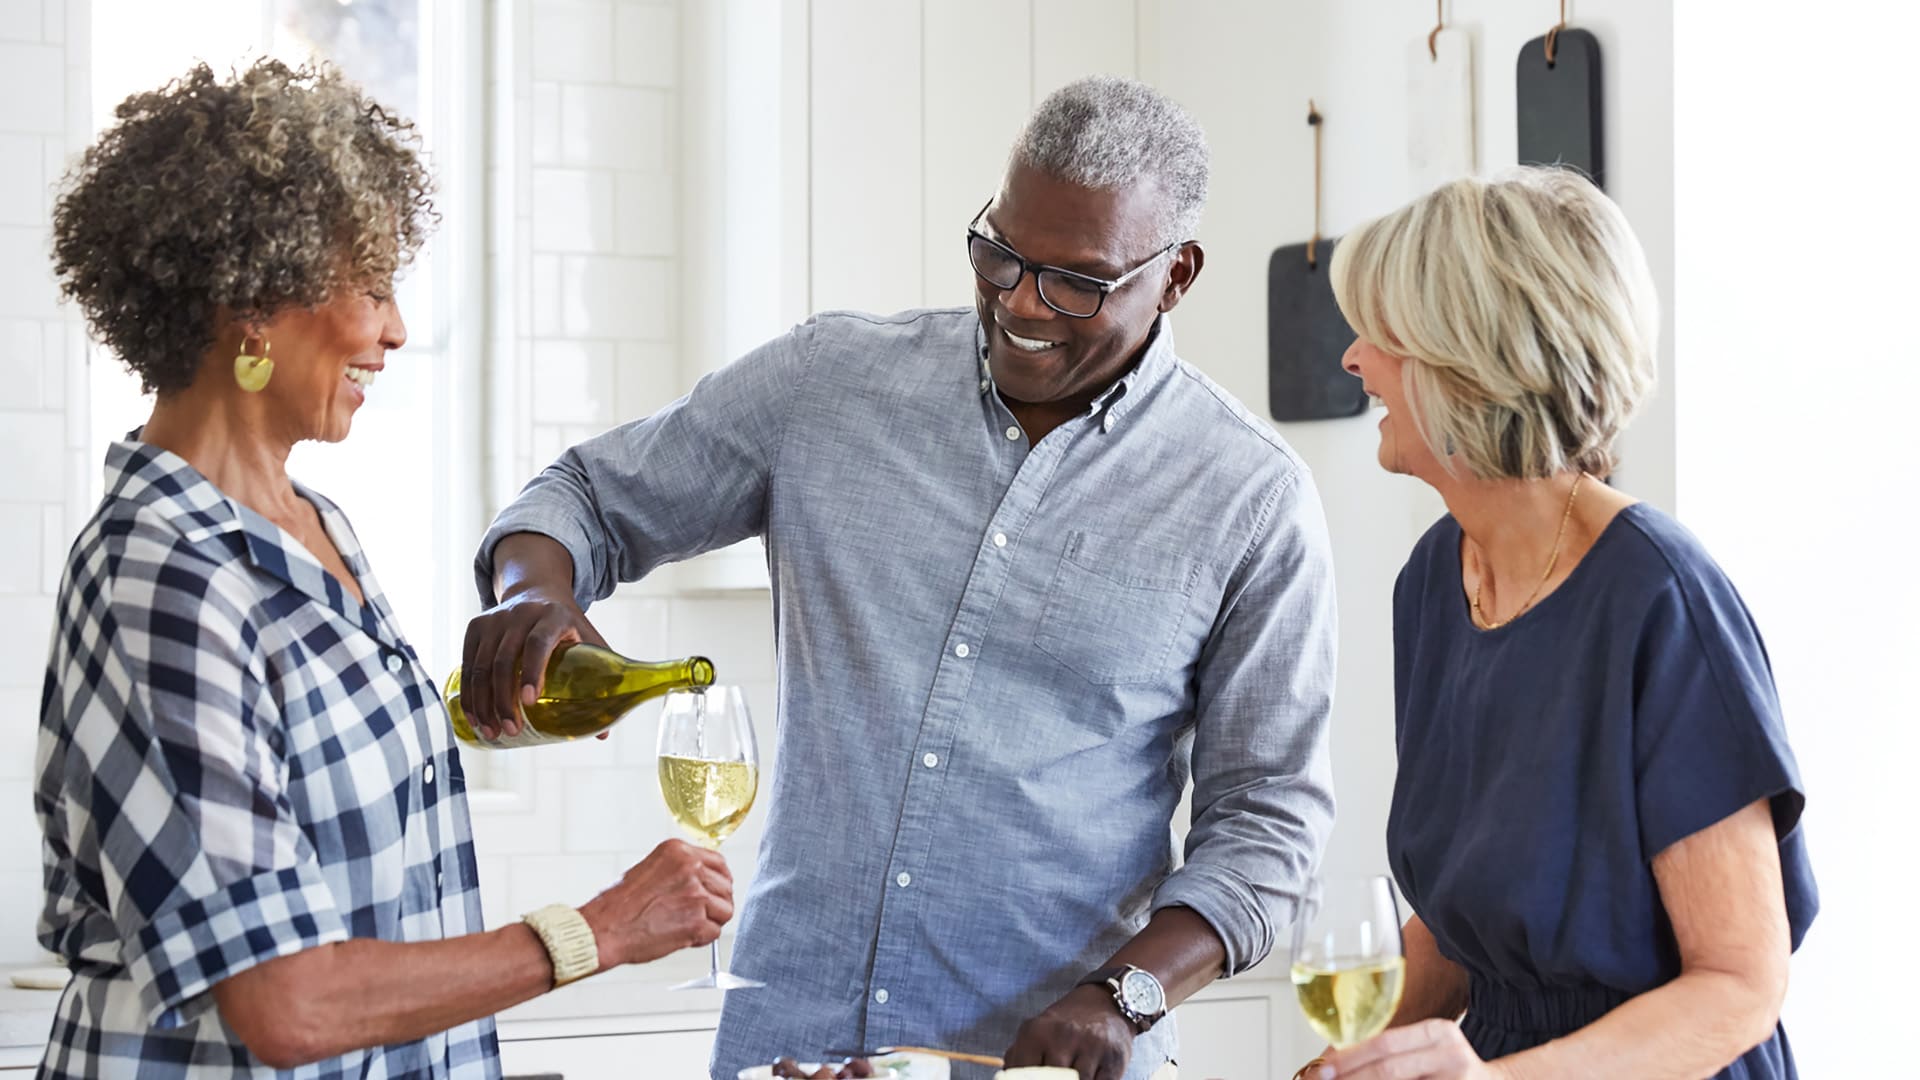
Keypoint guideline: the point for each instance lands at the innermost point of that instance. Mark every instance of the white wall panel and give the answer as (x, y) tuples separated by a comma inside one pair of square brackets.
[(868, 171), (1073, 38), (979, 57)]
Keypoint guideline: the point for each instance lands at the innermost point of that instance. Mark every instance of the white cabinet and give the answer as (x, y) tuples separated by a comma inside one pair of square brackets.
[(1225, 1039), (656, 1053)]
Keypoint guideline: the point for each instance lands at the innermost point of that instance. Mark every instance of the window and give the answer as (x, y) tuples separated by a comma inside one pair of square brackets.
[(409, 475)]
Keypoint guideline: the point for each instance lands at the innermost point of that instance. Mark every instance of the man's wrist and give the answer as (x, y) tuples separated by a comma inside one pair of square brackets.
[(1133, 993), (1099, 996)]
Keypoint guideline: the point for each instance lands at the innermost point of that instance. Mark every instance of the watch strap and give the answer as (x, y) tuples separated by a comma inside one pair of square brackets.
[(569, 941), (1110, 977)]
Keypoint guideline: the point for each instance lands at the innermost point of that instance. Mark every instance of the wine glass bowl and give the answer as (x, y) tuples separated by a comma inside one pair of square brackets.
[(709, 776), (1349, 968)]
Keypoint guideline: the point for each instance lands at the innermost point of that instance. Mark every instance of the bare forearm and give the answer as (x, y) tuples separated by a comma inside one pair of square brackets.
[(323, 1002), (1691, 1027), (523, 561), (1181, 950), (1436, 986)]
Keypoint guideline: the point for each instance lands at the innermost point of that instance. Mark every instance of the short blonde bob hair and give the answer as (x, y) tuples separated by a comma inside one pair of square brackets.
[(1526, 314)]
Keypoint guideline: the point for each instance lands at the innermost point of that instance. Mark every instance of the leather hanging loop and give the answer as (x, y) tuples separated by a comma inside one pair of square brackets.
[(1313, 245), (1439, 24), (1554, 34)]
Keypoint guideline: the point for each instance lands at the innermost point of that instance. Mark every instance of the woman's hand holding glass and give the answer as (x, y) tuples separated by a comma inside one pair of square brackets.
[(676, 898), (1349, 970), (1430, 1050)]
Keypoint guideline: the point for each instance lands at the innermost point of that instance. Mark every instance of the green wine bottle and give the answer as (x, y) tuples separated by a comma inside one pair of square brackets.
[(588, 690)]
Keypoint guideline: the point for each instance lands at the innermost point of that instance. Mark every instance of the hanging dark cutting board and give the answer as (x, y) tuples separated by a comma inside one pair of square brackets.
[(1306, 337), (1559, 104)]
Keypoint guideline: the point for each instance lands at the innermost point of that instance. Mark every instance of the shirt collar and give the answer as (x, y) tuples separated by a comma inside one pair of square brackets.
[(1156, 361), (165, 483)]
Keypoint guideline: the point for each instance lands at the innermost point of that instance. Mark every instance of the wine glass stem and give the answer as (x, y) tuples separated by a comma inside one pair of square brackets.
[(713, 947)]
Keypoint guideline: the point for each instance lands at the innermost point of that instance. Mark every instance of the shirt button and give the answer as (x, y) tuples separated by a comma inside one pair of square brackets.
[(905, 879), (439, 879), (427, 773), (1106, 424), (999, 539), (394, 663), (1013, 433), (880, 995), (931, 761), (962, 651), (983, 384)]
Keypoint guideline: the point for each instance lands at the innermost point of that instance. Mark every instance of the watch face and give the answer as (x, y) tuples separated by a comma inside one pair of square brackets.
[(1142, 992)]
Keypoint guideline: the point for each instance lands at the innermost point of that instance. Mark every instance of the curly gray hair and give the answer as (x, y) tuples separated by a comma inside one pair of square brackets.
[(1108, 133), (240, 198)]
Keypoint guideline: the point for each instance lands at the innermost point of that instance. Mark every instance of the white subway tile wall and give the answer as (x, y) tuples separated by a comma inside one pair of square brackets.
[(646, 40), (20, 22), (573, 41), (617, 126), (20, 900), (41, 127), (643, 213), (573, 382), (606, 296), (22, 180), (596, 250), (573, 210), (33, 88), (641, 378)]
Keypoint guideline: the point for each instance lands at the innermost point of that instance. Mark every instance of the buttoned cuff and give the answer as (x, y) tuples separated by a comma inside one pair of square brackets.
[(523, 517), (1229, 904)]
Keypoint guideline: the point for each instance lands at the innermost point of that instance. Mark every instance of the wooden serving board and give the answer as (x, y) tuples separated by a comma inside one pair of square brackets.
[(1559, 104)]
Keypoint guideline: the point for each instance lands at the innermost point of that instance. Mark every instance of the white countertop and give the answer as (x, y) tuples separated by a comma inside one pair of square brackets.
[(627, 1000), (26, 1016)]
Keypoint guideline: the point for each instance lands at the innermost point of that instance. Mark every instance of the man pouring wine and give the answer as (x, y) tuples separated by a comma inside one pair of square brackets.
[(1032, 572)]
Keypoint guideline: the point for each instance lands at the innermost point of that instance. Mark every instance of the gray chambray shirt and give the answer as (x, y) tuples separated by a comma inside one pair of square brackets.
[(999, 663)]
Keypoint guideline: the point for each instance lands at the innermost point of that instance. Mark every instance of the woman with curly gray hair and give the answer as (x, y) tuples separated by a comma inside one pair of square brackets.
[(1596, 815), (257, 848)]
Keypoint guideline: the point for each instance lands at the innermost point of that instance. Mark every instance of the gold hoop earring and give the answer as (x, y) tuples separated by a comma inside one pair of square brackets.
[(252, 371)]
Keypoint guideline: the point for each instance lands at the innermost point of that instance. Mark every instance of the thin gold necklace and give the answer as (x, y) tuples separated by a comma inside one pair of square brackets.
[(1480, 614)]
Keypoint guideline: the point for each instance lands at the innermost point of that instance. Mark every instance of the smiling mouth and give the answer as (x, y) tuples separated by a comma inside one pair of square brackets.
[(362, 377), (1027, 344)]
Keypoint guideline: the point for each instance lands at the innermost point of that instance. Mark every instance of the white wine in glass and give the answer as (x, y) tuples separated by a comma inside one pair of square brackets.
[(1348, 966), (709, 774)]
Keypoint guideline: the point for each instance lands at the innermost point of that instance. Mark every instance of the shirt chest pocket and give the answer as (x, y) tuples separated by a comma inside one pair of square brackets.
[(1115, 608)]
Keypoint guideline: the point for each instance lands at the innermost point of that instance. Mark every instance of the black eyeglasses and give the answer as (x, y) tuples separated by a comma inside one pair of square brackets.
[(1073, 294)]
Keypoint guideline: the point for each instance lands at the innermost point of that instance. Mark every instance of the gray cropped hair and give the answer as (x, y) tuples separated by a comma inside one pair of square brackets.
[(1108, 134)]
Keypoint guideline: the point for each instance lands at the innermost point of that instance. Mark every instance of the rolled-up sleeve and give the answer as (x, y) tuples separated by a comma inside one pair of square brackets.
[(203, 861), (691, 478), (1262, 779)]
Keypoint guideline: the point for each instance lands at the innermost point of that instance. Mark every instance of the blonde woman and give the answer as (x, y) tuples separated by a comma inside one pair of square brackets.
[(1595, 817)]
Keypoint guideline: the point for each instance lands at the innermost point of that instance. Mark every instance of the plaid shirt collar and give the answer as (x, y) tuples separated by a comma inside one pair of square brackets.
[(205, 515)]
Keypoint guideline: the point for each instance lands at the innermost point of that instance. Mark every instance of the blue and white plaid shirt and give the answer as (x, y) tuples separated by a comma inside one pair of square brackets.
[(237, 761), (1000, 662)]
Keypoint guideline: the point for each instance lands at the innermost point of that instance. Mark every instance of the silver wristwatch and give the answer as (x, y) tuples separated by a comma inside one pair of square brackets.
[(1139, 996)]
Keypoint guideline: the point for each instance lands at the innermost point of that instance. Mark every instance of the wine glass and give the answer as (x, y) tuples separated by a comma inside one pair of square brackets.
[(1348, 964), (709, 774)]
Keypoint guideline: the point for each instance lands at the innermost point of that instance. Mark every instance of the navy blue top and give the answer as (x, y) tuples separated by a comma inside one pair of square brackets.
[(1543, 765)]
